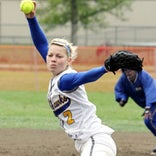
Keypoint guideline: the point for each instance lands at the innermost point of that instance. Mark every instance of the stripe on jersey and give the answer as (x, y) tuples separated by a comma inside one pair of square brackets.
[(61, 109), (93, 143)]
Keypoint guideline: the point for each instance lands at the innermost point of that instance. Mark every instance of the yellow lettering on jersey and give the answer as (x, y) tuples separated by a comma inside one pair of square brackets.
[(68, 114)]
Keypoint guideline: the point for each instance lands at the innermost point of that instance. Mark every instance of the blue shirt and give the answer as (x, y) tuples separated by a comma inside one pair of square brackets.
[(142, 91)]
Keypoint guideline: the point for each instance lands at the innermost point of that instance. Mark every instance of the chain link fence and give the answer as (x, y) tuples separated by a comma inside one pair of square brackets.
[(140, 36)]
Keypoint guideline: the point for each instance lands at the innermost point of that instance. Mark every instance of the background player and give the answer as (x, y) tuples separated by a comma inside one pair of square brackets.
[(67, 96), (141, 87)]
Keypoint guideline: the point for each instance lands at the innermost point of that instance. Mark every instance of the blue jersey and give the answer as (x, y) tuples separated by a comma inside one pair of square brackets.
[(142, 91)]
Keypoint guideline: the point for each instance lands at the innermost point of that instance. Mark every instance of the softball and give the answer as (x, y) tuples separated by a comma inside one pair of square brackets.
[(26, 6)]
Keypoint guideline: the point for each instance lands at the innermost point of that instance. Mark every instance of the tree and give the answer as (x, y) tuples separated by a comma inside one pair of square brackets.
[(84, 12)]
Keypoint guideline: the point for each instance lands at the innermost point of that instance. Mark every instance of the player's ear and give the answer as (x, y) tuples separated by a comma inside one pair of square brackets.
[(69, 61)]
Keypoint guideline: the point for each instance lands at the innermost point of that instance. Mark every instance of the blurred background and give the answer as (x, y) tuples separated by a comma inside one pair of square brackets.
[(131, 22), (98, 27)]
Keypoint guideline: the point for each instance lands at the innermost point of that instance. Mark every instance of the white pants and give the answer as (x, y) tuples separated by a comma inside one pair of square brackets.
[(98, 145)]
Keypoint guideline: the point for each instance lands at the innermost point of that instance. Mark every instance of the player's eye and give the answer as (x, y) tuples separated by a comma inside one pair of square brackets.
[(59, 56), (50, 55)]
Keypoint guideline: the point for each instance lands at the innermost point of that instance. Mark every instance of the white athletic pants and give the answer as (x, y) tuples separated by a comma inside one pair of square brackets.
[(98, 145)]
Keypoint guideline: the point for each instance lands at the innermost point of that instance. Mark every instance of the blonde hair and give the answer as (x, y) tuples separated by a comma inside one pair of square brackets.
[(71, 50)]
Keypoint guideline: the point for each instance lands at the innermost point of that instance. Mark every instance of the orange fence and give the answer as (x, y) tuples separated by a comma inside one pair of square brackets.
[(96, 55), (28, 57)]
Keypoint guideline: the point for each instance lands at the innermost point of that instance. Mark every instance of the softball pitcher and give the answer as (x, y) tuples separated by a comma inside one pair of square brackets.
[(67, 96)]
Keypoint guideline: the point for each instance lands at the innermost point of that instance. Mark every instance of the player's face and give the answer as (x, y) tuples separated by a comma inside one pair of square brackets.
[(57, 59), (131, 74)]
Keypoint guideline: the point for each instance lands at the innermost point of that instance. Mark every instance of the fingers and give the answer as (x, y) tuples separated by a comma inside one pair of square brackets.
[(122, 103), (147, 115)]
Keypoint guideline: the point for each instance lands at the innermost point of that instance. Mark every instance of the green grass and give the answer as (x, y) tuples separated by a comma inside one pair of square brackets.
[(30, 109), (126, 118)]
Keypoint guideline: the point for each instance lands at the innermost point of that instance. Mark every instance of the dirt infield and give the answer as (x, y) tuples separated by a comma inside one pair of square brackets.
[(27, 142)]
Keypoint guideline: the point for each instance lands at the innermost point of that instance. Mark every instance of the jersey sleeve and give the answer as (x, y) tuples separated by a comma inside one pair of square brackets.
[(149, 86), (119, 90), (71, 81), (38, 37)]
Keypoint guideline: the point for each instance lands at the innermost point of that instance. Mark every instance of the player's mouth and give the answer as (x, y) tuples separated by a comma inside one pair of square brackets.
[(52, 65)]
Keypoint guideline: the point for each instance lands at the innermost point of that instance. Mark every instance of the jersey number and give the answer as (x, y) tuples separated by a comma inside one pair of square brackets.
[(68, 114)]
